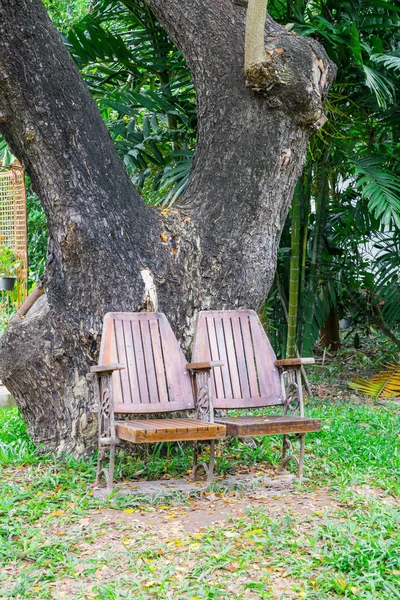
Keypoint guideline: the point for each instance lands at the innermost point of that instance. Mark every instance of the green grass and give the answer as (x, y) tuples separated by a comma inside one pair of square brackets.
[(245, 556), (358, 444), (15, 445), (349, 551)]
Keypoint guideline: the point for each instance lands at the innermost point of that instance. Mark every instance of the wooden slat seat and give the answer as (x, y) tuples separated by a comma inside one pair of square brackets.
[(251, 377), (268, 425), (248, 377), (142, 370), (155, 378), (168, 430)]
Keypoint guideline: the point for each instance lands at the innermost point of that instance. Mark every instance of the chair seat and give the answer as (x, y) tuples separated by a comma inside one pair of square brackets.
[(168, 430), (268, 425)]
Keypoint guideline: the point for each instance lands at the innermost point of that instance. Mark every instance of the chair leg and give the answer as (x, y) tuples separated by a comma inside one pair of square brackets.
[(287, 446), (105, 475), (301, 457), (110, 470), (99, 471), (210, 472), (208, 469)]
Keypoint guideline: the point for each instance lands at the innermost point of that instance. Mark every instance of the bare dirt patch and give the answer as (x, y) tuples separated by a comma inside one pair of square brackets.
[(214, 509), (117, 533)]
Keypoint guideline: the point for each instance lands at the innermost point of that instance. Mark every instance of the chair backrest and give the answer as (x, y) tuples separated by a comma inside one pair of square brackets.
[(155, 378), (249, 377)]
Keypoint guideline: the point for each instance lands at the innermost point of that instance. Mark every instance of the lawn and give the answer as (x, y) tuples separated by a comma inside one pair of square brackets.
[(336, 536)]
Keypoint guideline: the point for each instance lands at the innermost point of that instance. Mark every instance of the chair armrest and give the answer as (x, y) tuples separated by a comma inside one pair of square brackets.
[(294, 362), (204, 366), (98, 369), (201, 377), (105, 399)]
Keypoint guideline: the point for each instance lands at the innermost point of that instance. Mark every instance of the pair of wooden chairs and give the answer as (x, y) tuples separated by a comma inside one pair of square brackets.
[(143, 371)]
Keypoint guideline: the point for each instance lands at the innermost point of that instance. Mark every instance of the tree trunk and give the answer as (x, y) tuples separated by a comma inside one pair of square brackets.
[(330, 334), (107, 249)]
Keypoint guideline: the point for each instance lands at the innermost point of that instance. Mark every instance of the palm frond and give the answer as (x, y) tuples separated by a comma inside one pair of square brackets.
[(380, 186), (381, 385), (386, 271), (389, 61), (177, 178), (380, 85), (144, 90)]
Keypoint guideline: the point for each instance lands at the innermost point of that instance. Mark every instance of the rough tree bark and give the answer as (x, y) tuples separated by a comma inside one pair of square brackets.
[(107, 249)]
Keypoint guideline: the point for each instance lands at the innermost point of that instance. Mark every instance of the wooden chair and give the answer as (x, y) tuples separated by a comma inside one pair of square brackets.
[(251, 377), (142, 371)]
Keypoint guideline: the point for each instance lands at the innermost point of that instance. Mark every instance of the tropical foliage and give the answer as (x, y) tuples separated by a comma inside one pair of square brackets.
[(66, 12), (144, 91), (349, 213), (9, 262), (37, 236), (6, 157)]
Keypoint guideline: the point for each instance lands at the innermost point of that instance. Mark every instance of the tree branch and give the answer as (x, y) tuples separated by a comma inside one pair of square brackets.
[(54, 127), (79, 148), (254, 51)]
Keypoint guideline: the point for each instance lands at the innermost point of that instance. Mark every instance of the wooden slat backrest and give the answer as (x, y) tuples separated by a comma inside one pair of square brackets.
[(155, 378), (249, 377)]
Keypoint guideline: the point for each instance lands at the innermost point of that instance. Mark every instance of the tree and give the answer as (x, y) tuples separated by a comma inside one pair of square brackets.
[(107, 249)]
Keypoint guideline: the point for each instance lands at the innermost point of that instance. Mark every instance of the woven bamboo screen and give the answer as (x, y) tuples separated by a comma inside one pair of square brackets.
[(13, 232)]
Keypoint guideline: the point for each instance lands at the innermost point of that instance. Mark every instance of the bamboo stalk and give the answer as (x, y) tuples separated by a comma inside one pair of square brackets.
[(307, 181), (294, 271), (322, 200), (285, 312)]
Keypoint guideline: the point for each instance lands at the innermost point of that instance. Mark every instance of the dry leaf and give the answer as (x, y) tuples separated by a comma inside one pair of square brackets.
[(230, 534)]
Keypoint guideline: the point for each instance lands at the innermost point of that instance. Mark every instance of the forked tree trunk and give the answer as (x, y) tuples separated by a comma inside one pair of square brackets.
[(107, 250)]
